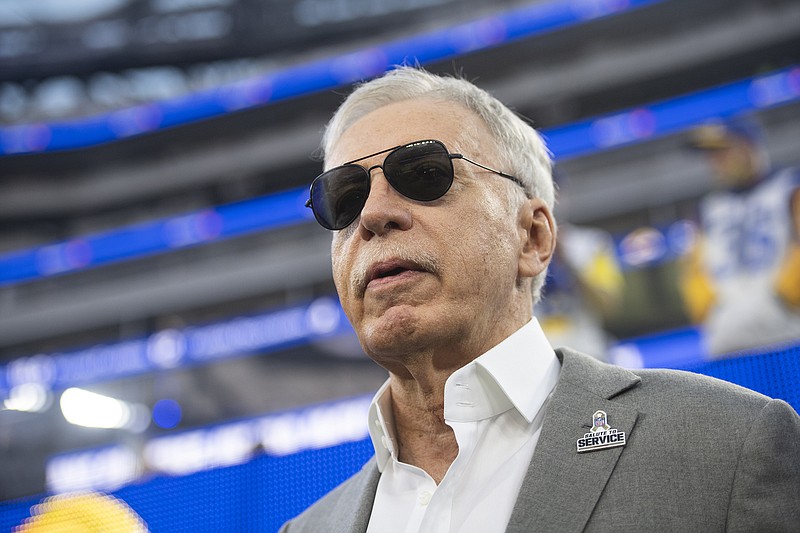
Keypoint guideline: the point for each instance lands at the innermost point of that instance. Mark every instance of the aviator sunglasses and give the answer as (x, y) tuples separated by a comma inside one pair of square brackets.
[(421, 171)]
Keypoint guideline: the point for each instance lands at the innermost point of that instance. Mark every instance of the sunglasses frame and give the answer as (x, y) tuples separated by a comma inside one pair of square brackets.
[(368, 174)]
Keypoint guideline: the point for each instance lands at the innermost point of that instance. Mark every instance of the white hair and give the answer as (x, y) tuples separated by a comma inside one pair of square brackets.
[(520, 149)]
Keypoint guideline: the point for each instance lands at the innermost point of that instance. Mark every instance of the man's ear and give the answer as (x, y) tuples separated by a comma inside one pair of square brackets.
[(538, 234)]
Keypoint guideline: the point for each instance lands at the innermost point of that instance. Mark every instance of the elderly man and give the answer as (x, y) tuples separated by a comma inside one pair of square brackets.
[(440, 200)]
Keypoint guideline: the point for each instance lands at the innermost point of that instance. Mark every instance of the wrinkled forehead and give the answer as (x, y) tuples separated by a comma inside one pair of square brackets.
[(401, 123)]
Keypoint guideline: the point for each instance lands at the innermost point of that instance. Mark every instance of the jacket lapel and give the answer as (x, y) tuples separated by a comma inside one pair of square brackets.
[(562, 487), (354, 506)]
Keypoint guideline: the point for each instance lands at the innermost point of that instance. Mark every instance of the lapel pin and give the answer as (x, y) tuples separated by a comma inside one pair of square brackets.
[(601, 436)]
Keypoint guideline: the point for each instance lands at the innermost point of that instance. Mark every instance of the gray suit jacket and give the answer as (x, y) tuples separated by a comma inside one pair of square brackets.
[(701, 455)]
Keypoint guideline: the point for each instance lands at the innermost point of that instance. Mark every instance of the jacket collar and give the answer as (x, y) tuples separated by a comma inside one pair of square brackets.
[(562, 487)]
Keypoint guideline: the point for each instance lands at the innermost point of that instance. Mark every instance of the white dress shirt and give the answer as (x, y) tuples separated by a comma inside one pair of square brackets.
[(495, 405)]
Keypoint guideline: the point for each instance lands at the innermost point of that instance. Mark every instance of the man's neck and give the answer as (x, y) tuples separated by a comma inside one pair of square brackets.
[(424, 440), (417, 387)]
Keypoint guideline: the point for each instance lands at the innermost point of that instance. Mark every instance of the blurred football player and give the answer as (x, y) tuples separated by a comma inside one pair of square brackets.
[(742, 280)]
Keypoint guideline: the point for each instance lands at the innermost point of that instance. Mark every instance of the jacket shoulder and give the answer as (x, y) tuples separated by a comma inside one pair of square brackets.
[(648, 388), (696, 391)]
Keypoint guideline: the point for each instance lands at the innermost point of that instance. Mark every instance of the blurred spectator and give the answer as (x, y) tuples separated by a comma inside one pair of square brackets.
[(742, 280), (584, 287)]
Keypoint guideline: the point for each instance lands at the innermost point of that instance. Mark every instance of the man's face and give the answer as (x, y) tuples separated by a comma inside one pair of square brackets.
[(434, 277), (735, 166)]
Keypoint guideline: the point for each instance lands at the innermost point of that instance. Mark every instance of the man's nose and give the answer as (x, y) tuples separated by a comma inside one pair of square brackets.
[(385, 208)]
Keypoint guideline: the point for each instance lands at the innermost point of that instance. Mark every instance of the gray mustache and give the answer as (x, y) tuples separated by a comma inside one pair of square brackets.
[(390, 251)]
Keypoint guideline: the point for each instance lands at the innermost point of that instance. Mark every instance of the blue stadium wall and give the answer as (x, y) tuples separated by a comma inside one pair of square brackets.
[(266, 491)]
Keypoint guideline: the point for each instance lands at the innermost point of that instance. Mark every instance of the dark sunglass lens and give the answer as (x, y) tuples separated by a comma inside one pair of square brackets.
[(422, 171), (337, 196)]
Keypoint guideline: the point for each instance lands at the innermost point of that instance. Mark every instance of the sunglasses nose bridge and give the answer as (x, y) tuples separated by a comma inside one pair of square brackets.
[(373, 167), (383, 173), (383, 204), (372, 180)]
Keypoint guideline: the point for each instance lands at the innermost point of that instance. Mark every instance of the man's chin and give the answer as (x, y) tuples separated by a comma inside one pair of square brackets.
[(396, 331)]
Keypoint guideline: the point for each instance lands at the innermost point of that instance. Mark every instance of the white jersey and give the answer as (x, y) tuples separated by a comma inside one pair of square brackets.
[(747, 234)]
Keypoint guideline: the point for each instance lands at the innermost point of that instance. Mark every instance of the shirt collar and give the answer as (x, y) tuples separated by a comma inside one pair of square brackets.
[(519, 373), (381, 425)]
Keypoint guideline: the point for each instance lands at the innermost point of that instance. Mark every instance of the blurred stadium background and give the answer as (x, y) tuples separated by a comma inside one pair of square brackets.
[(154, 247)]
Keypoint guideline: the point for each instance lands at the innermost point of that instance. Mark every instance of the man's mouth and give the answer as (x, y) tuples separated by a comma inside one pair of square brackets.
[(391, 270), (387, 273)]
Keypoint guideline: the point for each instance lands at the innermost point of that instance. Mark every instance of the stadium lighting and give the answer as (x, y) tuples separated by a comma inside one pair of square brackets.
[(28, 397), (89, 409)]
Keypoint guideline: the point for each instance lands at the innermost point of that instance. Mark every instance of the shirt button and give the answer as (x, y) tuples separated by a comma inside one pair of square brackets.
[(424, 498)]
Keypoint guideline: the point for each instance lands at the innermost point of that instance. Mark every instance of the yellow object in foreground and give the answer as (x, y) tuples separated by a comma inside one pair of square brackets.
[(787, 282), (88, 512), (696, 288)]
